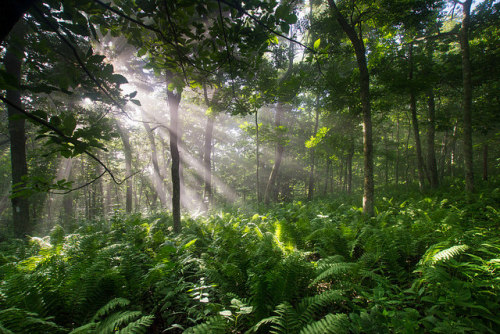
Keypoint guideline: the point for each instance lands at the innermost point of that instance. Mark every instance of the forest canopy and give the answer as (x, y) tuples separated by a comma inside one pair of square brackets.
[(287, 166)]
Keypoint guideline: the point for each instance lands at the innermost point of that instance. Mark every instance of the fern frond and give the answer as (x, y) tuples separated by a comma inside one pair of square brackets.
[(139, 326), (87, 328), (333, 270), (331, 323), (4, 330), (117, 320), (449, 253), (311, 306), (110, 306), (215, 324)]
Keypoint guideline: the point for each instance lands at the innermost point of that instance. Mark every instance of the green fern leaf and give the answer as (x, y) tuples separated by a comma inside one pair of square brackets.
[(331, 323), (215, 324), (110, 306), (448, 253), (139, 326), (117, 320)]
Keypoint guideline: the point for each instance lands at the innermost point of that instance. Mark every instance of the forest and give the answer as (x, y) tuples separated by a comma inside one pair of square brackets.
[(260, 166)]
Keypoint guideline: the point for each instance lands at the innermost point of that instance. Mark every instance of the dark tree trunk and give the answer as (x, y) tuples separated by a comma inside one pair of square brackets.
[(364, 83), (416, 132), (128, 165), (310, 192), (467, 95), (431, 150), (173, 100), (17, 133)]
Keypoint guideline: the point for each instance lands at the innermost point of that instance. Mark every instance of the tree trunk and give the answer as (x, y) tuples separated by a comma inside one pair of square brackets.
[(431, 150), (17, 133), (271, 188), (257, 179), (467, 95), (173, 100), (310, 191), (207, 153), (350, 156), (158, 183), (416, 132), (396, 171), (278, 156), (327, 175), (364, 83), (128, 165)]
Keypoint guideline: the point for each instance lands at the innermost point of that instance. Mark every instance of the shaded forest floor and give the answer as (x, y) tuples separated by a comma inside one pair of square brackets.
[(426, 263)]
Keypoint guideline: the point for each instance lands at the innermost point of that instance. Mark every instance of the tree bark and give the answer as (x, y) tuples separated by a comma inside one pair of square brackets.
[(271, 192), (207, 153), (257, 179), (127, 150), (158, 183), (416, 132), (396, 171), (173, 100), (271, 188), (13, 62), (431, 150), (364, 84), (350, 156), (467, 95), (310, 192)]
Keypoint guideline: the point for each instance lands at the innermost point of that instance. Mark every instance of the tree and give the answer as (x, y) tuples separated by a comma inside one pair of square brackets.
[(467, 94), (364, 91), (13, 62)]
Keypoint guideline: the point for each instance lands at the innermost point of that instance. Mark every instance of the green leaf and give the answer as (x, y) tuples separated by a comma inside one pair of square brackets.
[(137, 102), (316, 44)]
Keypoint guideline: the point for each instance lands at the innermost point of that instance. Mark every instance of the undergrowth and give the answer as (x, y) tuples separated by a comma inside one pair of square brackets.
[(424, 263)]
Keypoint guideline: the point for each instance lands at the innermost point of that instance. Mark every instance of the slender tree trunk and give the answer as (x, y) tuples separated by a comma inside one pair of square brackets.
[(350, 156), (467, 95), (158, 183), (313, 151), (17, 133), (327, 175), (173, 100), (364, 83), (431, 150), (207, 153), (396, 171), (128, 165), (257, 179), (453, 155), (271, 192), (416, 132), (271, 188)]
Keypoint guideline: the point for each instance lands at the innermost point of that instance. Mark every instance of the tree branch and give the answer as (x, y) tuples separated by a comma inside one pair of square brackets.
[(60, 134)]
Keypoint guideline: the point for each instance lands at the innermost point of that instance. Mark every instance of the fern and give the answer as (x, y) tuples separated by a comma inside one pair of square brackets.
[(212, 325), (139, 326), (110, 306), (331, 323)]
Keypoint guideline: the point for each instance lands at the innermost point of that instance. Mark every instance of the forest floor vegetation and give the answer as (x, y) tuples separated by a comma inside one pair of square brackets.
[(425, 263)]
